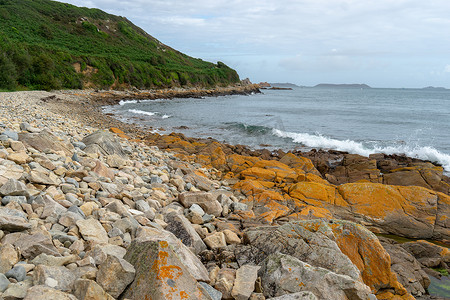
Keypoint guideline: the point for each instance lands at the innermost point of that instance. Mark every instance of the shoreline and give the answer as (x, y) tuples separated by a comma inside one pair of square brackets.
[(252, 188)]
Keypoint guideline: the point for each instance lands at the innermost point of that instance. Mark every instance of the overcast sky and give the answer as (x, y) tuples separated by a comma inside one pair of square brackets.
[(384, 43)]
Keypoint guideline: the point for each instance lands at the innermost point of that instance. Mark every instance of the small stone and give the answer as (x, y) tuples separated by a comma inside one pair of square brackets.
[(18, 272), (13, 187), (244, 284), (231, 237), (212, 292), (11, 134), (19, 157), (92, 230), (17, 199), (142, 205), (215, 240), (8, 257), (4, 283), (89, 289), (114, 275)]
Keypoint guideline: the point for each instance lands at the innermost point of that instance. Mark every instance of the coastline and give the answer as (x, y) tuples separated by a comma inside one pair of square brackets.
[(275, 188)]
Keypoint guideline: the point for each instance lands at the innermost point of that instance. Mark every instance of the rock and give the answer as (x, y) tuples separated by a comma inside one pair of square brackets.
[(4, 283), (8, 257), (212, 292), (42, 178), (32, 245), (189, 259), (182, 228), (215, 240), (142, 205), (283, 274), (13, 187), (18, 272), (104, 142), (244, 284), (225, 282), (59, 278), (103, 170), (51, 207), (100, 252), (161, 275), (203, 199), (13, 220), (17, 290), (297, 296), (44, 140), (89, 290), (19, 157), (42, 292), (92, 230), (114, 275), (408, 269), (231, 237), (50, 260), (428, 254), (11, 134), (17, 199), (10, 171)]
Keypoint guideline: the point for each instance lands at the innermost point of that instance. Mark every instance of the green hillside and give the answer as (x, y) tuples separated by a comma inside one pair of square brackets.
[(51, 45)]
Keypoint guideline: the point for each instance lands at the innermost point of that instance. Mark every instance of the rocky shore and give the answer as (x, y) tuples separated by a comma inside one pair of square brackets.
[(92, 208)]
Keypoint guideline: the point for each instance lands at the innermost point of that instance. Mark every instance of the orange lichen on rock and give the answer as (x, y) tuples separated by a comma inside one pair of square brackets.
[(366, 253), (119, 133)]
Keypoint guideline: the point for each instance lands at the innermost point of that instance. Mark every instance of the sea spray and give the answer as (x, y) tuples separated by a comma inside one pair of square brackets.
[(321, 141)]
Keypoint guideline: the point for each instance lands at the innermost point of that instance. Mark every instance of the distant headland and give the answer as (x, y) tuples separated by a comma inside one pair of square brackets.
[(345, 86)]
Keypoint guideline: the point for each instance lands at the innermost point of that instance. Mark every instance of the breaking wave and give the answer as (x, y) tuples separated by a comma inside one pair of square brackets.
[(320, 141), (141, 112)]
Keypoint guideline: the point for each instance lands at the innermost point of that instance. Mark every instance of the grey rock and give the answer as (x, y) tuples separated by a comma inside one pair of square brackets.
[(182, 228), (114, 275), (100, 252), (32, 245), (203, 199), (142, 205), (115, 232), (11, 134), (189, 259), (4, 283), (79, 145), (296, 296), (45, 140), (238, 206), (212, 292), (155, 179), (50, 260), (13, 187), (59, 278), (104, 142), (17, 290), (244, 284), (17, 199), (51, 207), (197, 209), (73, 182), (283, 274), (76, 210), (18, 272), (13, 220), (152, 280)]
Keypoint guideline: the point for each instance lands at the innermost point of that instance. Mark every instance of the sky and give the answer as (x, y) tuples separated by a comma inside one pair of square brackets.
[(383, 43)]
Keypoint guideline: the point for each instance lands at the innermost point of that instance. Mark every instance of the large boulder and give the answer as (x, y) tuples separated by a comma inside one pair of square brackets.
[(183, 229), (342, 247), (45, 140), (160, 274), (104, 142), (283, 274)]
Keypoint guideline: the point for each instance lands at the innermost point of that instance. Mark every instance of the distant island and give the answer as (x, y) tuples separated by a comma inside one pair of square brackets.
[(284, 85), (434, 88), (343, 86)]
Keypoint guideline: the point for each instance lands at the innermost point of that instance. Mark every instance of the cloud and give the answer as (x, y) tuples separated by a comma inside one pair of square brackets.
[(359, 30)]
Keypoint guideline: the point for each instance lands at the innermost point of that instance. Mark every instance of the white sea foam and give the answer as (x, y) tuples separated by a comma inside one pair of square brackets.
[(166, 116), (141, 112), (123, 102), (320, 141)]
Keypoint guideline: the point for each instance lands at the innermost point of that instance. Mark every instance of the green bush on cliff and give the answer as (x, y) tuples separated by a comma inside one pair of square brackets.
[(51, 45)]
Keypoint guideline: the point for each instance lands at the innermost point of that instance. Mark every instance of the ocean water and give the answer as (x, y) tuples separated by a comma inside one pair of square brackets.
[(415, 122)]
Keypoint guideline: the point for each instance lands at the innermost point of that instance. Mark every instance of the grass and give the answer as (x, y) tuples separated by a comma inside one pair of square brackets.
[(42, 40)]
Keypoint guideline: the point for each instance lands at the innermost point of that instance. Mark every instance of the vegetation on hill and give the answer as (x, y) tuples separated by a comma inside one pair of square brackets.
[(51, 45)]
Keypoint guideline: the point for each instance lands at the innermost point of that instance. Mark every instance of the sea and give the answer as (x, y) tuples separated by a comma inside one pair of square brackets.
[(414, 122)]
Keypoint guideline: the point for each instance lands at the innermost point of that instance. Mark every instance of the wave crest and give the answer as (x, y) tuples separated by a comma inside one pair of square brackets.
[(320, 141)]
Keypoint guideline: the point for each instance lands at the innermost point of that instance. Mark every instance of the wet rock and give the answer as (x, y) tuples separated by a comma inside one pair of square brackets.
[(114, 275), (161, 275)]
